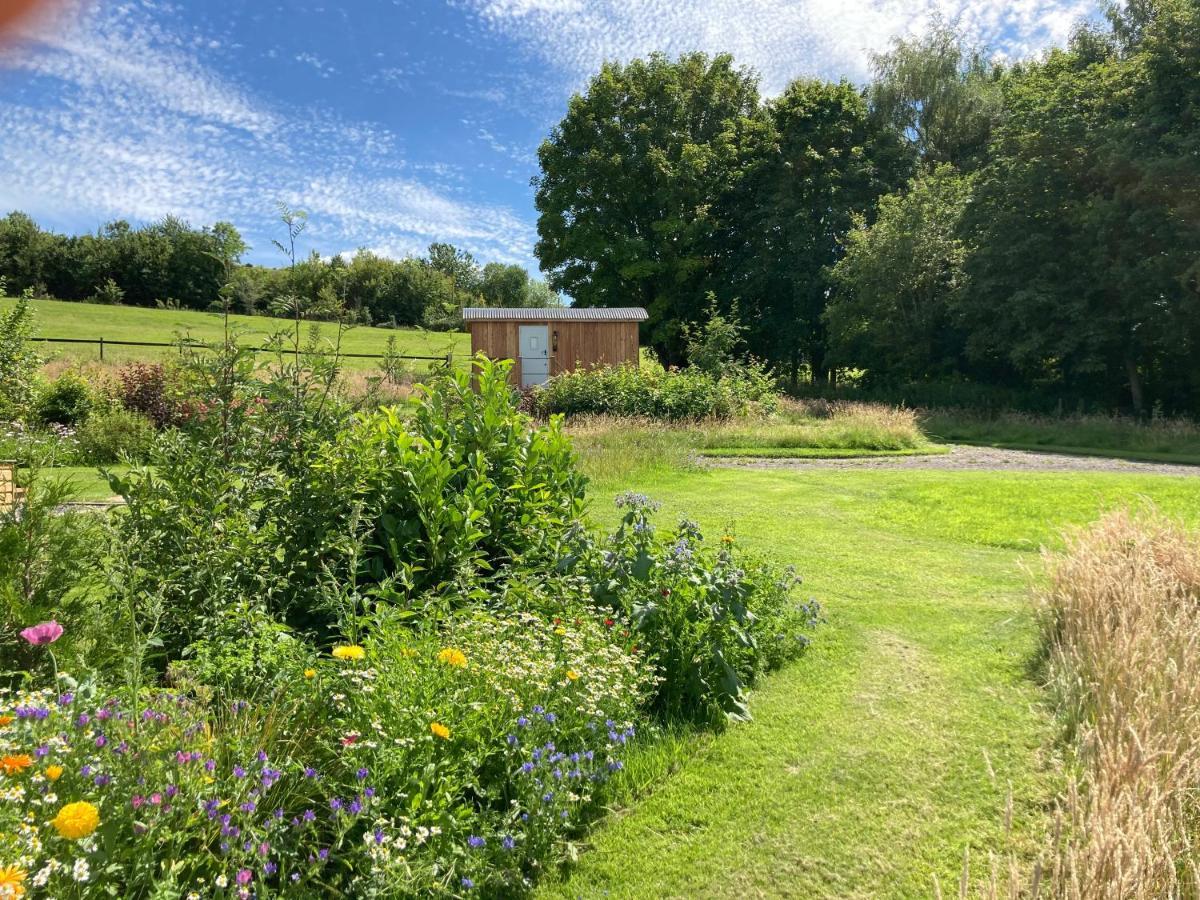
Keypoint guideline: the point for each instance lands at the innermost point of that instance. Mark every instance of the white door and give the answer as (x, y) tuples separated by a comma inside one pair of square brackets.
[(535, 354)]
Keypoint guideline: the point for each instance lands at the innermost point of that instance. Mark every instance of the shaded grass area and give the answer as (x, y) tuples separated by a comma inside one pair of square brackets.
[(62, 319), (1160, 440), (878, 758)]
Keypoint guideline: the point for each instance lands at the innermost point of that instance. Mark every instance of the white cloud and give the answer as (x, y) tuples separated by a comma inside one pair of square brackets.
[(118, 116), (781, 40)]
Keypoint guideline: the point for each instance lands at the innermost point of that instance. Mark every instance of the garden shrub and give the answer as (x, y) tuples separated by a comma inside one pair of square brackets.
[(653, 392), (18, 360), (712, 620), (114, 434), (68, 400), (146, 389)]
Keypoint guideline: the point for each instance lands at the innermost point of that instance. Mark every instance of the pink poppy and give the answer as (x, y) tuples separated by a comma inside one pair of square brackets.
[(45, 633)]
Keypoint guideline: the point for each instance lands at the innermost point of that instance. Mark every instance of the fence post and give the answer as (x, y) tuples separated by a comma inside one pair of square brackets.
[(450, 360), (101, 349)]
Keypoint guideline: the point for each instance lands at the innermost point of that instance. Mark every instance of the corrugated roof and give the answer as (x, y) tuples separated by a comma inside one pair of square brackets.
[(568, 313)]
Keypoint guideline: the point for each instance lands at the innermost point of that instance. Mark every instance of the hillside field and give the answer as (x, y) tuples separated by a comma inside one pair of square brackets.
[(60, 319)]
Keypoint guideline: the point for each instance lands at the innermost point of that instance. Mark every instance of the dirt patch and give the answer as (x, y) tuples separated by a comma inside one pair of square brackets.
[(991, 459)]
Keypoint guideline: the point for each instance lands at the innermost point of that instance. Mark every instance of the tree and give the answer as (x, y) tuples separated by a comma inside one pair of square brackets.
[(941, 94), (631, 196), (459, 265), (894, 312), (503, 286), (824, 162), (1086, 219)]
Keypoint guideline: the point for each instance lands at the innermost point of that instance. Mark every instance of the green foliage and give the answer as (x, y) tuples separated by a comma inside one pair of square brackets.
[(631, 198), (943, 96), (109, 293), (712, 347), (114, 434), (672, 395), (712, 621), (18, 360), (895, 312), (68, 400)]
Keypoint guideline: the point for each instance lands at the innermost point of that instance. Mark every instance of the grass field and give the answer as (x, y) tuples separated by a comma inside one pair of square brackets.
[(59, 319), (889, 750)]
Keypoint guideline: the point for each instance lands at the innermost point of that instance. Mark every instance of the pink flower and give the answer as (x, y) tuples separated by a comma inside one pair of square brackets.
[(45, 633), (244, 876)]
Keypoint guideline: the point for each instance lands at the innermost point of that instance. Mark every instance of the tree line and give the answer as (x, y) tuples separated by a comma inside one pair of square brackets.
[(170, 263), (1029, 225)]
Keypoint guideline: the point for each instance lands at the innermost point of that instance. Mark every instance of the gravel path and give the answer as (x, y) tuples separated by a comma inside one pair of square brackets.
[(990, 459)]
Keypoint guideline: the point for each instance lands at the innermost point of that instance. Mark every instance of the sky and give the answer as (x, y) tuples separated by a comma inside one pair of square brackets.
[(393, 123)]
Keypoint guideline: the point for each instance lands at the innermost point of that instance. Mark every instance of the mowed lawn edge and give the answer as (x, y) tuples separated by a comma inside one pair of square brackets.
[(877, 760)]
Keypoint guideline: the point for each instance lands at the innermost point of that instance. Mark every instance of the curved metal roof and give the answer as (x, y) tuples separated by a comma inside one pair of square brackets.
[(566, 313)]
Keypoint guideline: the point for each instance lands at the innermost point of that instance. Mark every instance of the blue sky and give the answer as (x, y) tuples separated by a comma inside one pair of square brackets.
[(393, 122)]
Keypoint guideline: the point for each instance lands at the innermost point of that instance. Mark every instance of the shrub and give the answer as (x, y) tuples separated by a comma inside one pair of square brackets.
[(65, 401), (712, 621), (145, 389), (113, 435), (653, 392), (18, 360)]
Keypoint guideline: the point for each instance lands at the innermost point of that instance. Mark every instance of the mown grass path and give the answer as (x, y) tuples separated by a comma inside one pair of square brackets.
[(873, 762)]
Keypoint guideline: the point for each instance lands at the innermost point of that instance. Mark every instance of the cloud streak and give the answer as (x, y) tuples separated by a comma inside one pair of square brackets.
[(118, 116), (781, 40)]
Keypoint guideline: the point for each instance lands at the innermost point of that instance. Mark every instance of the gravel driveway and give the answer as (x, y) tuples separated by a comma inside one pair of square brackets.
[(990, 459)]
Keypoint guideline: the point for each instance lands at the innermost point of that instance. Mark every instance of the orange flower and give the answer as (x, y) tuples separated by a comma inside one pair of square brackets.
[(440, 730), (15, 764), (12, 882), (5, 720), (54, 772)]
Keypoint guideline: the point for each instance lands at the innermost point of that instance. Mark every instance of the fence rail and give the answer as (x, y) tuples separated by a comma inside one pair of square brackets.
[(447, 358)]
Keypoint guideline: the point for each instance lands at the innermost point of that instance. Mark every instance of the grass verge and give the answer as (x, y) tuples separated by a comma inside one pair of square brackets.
[(815, 452), (874, 762)]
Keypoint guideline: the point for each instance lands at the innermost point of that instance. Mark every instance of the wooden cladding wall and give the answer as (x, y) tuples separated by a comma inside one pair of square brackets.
[(580, 345)]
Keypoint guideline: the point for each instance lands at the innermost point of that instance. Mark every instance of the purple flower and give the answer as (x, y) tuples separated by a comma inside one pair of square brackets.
[(551, 718), (527, 768), (102, 780), (309, 816), (262, 756), (512, 740), (210, 765), (101, 740), (379, 835), (537, 710), (508, 843), (45, 633), (335, 804), (172, 790), (475, 841), (244, 876), (323, 853), (369, 792), (468, 883), (248, 807), (355, 806), (310, 772), (264, 848), (239, 772), (547, 797), (522, 721), (42, 751), (295, 876), (83, 719), (362, 773), (66, 699), (269, 869)]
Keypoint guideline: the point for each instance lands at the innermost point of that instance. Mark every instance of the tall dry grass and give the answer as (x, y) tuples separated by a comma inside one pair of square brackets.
[(1121, 618)]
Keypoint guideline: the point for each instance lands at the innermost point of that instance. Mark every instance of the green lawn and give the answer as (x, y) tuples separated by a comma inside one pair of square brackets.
[(59, 319), (876, 760), (88, 482)]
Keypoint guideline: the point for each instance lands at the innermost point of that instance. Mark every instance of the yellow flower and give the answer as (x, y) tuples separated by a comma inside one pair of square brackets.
[(15, 764), (310, 673), (572, 675), (76, 820), (54, 772), (440, 730), (408, 652), (727, 539), (560, 631), (452, 657), (349, 651), (5, 720), (12, 882)]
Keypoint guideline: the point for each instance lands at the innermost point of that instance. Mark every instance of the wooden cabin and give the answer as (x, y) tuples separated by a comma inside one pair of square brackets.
[(546, 342)]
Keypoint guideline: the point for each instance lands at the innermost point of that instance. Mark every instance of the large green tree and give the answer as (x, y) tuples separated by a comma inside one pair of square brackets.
[(822, 163), (634, 182), (1085, 220), (895, 311)]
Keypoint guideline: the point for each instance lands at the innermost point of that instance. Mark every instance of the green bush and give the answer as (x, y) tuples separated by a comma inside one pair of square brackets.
[(68, 400), (712, 621), (18, 360), (113, 435), (653, 392)]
